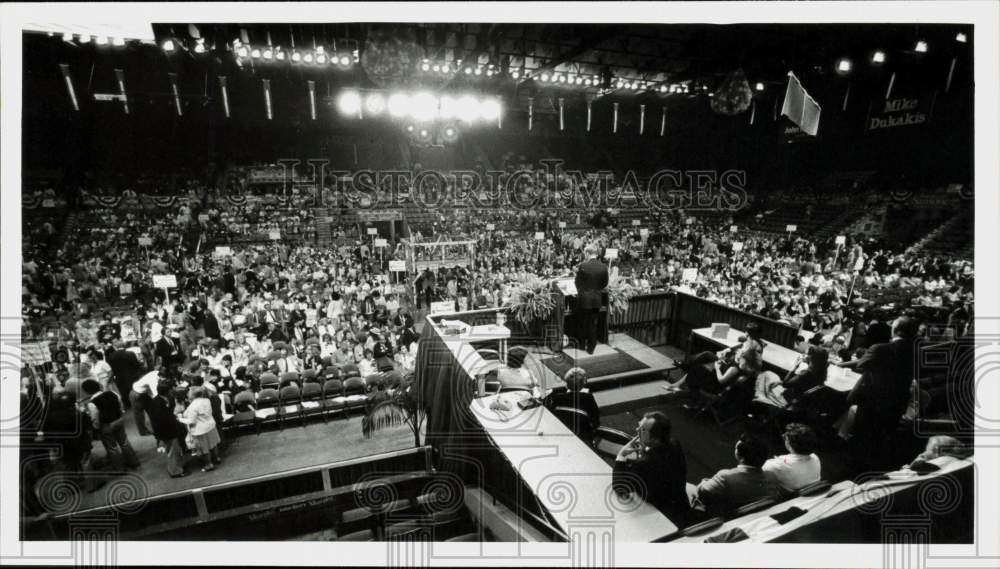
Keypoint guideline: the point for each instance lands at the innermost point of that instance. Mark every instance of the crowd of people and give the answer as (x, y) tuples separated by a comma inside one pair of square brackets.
[(119, 344)]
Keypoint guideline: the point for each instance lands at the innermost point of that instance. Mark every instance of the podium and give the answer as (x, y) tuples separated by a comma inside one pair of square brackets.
[(565, 290)]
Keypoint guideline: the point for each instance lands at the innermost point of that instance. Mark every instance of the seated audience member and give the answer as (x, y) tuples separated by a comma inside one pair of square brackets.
[(514, 376), (653, 466), (938, 446), (783, 392), (576, 396), (734, 487), (801, 466)]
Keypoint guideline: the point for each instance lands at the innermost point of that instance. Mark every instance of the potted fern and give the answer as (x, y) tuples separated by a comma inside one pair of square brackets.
[(531, 303), (393, 408)]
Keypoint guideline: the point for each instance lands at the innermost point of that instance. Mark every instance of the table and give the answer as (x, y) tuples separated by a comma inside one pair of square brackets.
[(566, 476), (467, 356), (762, 528), (785, 359)]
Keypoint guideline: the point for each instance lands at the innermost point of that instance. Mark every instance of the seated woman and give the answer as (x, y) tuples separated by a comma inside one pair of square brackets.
[(733, 366), (576, 396), (513, 376), (781, 393)]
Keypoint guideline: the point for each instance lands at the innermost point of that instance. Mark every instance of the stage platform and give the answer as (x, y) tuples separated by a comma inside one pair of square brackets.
[(623, 373), (250, 455)]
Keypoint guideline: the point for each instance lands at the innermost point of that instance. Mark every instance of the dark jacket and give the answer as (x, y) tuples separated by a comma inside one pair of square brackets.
[(165, 425), (591, 280), (212, 326), (886, 375), (660, 478), (125, 366)]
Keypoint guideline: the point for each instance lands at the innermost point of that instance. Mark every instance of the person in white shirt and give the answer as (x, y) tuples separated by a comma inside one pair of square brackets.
[(143, 391), (801, 466), (101, 371)]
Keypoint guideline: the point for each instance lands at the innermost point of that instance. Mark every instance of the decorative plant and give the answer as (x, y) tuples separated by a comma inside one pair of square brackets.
[(619, 293), (531, 300), (393, 408)]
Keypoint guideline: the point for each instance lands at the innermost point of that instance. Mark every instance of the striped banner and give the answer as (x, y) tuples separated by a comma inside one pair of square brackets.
[(164, 201), (237, 199), (108, 201), (31, 202)]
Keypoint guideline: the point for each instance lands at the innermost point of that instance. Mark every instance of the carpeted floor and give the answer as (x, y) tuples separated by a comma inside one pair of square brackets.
[(598, 366)]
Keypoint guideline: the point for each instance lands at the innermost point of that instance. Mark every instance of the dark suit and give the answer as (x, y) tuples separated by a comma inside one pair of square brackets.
[(660, 478), (591, 280), (881, 395), (126, 369)]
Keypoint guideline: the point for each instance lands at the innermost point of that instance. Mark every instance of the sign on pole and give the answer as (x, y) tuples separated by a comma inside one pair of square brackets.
[(737, 246), (690, 220), (732, 229), (490, 227), (539, 235), (636, 223), (35, 353), (644, 232), (372, 231), (841, 239), (397, 266), (791, 228), (381, 243), (145, 241), (689, 275), (223, 251), (610, 253), (274, 235), (166, 282), (562, 225)]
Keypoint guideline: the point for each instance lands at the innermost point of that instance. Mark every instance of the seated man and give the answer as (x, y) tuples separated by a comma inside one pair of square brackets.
[(652, 465), (514, 376), (576, 396), (734, 487), (801, 466)]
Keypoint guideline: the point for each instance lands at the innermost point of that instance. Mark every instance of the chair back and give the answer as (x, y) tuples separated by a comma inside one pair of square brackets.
[(269, 380), (310, 376), (354, 386), (289, 378), (333, 388), (752, 507), (331, 372), (577, 421), (290, 393), (268, 397), (311, 391), (244, 399)]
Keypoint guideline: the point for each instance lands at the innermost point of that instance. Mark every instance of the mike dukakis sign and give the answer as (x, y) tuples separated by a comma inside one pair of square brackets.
[(902, 111)]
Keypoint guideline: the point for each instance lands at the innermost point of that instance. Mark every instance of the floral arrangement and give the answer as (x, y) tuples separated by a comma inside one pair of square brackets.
[(531, 300), (619, 293)]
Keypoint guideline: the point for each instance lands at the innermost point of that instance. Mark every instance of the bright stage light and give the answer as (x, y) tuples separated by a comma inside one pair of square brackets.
[(345, 61), (399, 105), (280, 55), (445, 68), (67, 36), (515, 74), (587, 82), (423, 107), (468, 71), (409, 128), (449, 132), (545, 77), (117, 42), (308, 58), (199, 46), (478, 71), (242, 51), (663, 88), (489, 73), (961, 38), (425, 66), (921, 47), (101, 40), (255, 53), (436, 68), (424, 133), (449, 107), (321, 58), (268, 54), (86, 39), (320, 49), (878, 57), (759, 86), (844, 66), (296, 57), (349, 103), (490, 109), (467, 109), (375, 104)]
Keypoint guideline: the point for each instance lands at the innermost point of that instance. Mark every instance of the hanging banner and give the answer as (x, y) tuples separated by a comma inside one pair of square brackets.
[(107, 201), (384, 215), (799, 107), (902, 111)]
